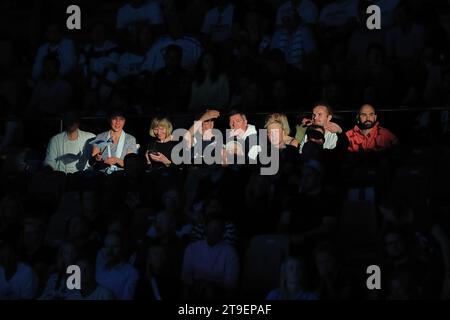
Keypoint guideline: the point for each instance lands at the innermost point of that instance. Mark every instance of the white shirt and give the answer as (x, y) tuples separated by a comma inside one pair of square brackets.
[(338, 13), (149, 13), (66, 53), (192, 50), (330, 141), (69, 156), (218, 264), (120, 279), (218, 25), (307, 10), (22, 285), (130, 64)]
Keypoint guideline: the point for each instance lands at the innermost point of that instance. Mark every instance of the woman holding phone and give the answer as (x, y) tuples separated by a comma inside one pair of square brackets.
[(159, 149)]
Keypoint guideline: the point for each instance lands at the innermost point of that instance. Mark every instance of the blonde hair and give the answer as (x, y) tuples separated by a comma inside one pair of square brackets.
[(161, 122), (271, 122), (280, 118)]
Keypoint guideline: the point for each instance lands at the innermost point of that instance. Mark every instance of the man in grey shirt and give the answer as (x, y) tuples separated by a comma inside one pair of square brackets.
[(111, 147)]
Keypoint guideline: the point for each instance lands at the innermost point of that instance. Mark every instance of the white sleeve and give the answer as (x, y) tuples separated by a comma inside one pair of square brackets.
[(52, 153)]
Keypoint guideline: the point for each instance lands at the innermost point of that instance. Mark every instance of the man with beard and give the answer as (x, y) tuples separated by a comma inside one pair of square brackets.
[(368, 135)]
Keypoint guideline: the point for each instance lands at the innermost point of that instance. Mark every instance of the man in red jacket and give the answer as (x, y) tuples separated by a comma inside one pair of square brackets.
[(368, 135)]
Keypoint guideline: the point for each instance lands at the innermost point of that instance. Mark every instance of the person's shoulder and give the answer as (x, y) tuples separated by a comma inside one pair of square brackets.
[(57, 137), (86, 134), (130, 137), (102, 135), (350, 132)]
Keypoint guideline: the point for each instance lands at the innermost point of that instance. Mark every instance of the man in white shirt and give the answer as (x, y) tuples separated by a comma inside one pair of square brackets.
[(322, 116), (63, 48), (306, 9), (17, 280), (218, 22), (69, 151), (139, 11)]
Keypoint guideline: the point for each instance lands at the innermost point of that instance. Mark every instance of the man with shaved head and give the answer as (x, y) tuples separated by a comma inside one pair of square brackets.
[(368, 135)]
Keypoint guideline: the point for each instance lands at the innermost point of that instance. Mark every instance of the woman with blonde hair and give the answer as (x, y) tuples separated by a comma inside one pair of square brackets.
[(292, 282), (281, 118), (159, 149)]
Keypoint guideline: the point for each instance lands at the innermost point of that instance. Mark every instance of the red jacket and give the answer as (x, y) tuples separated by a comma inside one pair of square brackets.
[(378, 139)]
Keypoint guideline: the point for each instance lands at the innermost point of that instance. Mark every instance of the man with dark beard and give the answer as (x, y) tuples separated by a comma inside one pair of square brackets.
[(368, 135)]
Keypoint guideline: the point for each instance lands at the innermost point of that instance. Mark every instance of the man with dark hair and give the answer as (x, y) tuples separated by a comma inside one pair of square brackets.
[(111, 147), (245, 143), (69, 151), (368, 135)]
